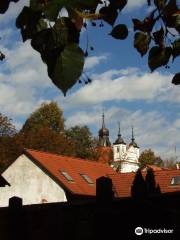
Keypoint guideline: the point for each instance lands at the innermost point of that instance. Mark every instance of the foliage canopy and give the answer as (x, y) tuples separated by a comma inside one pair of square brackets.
[(56, 38), (148, 157)]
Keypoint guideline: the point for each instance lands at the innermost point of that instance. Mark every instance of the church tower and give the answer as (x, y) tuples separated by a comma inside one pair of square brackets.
[(119, 147), (134, 148), (104, 146), (104, 135), (125, 157)]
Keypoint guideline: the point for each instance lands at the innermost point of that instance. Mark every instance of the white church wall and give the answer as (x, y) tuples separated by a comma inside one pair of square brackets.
[(133, 154), (30, 183), (128, 167), (119, 151), (127, 157)]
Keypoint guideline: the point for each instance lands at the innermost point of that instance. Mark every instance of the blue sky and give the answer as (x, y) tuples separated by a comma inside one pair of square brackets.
[(122, 85)]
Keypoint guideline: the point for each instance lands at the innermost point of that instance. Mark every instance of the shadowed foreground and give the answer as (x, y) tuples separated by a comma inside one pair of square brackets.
[(94, 219)]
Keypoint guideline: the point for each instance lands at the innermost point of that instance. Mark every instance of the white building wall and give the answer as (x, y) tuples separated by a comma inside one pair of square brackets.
[(30, 183), (133, 154), (127, 157), (128, 167), (119, 151)]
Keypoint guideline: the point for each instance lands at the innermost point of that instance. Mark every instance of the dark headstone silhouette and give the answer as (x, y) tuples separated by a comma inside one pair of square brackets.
[(138, 188)]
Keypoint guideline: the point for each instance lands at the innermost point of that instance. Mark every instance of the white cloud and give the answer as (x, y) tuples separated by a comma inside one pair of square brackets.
[(132, 4), (152, 129), (129, 85), (23, 80), (94, 61)]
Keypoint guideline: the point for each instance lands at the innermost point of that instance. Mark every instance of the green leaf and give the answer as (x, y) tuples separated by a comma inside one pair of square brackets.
[(68, 68), (118, 4), (160, 3), (141, 42), (145, 26), (52, 9), (60, 32), (119, 32), (43, 41), (176, 48), (36, 5), (177, 23), (170, 8), (89, 5), (41, 25), (30, 22), (159, 57), (159, 37), (4, 6), (109, 14), (176, 79), (168, 13)]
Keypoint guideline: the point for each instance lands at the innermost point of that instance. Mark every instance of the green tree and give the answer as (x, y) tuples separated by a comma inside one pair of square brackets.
[(83, 141), (45, 139), (44, 130), (58, 44), (48, 115), (170, 163), (148, 157), (151, 186), (6, 127), (138, 188), (7, 145)]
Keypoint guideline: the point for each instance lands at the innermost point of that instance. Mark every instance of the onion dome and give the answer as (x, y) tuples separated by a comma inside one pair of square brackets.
[(104, 135), (103, 131), (133, 143), (119, 140)]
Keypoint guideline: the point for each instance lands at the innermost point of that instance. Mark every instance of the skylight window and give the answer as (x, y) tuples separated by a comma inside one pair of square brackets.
[(86, 178), (67, 176), (175, 180)]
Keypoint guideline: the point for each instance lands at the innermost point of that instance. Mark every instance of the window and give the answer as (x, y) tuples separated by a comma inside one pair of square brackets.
[(175, 180), (118, 149), (86, 178), (67, 176)]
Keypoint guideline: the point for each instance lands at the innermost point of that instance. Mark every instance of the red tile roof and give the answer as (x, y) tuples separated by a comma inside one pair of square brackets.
[(153, 167), (123, 181), (53, 163)]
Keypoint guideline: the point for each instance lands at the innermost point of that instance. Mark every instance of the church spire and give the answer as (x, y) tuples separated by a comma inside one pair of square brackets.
[(119, 140), (132, 134), (104, 134), (103, 121), (119, 133), (133, 143)]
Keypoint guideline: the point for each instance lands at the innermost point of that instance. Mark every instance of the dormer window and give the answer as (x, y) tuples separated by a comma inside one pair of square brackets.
[(86, 178), (67, 176), (175, 180)]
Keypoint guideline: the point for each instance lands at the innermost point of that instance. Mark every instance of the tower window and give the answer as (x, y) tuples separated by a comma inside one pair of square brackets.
[(175, 180), (67, 176), (118, 150), (86, 178)]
